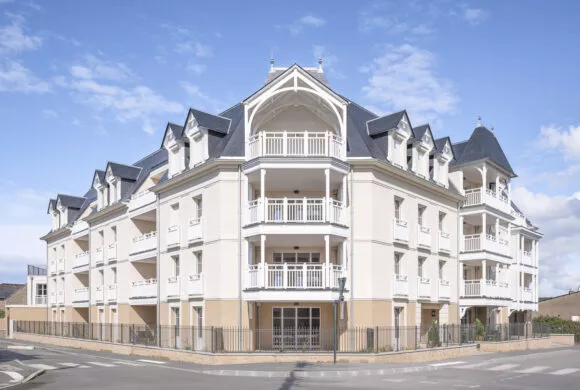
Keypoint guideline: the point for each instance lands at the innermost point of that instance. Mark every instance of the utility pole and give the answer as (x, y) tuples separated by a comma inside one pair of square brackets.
[(341, 284)]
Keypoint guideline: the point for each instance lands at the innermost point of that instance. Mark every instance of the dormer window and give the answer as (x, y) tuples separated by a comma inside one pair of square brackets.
[(397, 139), (197, 136), (440, 163)]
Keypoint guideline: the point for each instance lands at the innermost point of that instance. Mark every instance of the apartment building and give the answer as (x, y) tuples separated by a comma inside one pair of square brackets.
[(249, 217)]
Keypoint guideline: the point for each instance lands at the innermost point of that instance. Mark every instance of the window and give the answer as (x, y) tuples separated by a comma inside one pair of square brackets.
[(398, 204), (420, 266), (198, 201), (41, 290), (398, 257), (198, 262), (295, 257), (174, 214), (441, 221), (114, 275), (101, 277), (114, 234), (175, 266), (441, 270), (101, 238), (421, 211), (199, 321)]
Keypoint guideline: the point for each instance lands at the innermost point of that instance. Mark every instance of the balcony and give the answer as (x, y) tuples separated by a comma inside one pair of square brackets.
[(195, 229), (81, 295), (195, 284), (423, 288), (52, 298), (60, 297), (527, 294), (141, 199), (173, 286), (444, 289), (100, 293), (99, 256), (475, 197), (173, 236), (52, 267), (400, 230), (520, 219), (146, 288), (444, 242), (82, 259), (293, 276), (401, 286), (295, 144), (144, 243), (476, 243), (60, 266), (527, 258), (112, 292), (295, 210), (112, 252), (485, 288), (424, 236), (40, 300)]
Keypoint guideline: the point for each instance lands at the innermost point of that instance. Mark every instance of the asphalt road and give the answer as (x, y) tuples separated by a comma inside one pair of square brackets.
[(552, 369)]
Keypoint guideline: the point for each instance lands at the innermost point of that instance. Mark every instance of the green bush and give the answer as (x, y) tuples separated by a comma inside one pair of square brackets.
[(2, 314), (433, 335), (479, 330), (559, 325)]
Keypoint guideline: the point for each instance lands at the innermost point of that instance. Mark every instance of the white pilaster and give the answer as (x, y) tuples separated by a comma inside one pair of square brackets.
[(327, 196)]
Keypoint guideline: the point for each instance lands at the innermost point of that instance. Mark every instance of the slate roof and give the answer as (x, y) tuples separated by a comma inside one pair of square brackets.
[(124, 172), (440, 143), (314, 72), (216, 123), (7, 289), (73, 202), (175, 129), (100, 174), (51, 205), (480, 146), (384, 123)]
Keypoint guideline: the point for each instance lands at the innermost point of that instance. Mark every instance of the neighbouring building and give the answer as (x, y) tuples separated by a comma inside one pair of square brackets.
[(565, 306), (6, 291), (248, 217), (30, 301)]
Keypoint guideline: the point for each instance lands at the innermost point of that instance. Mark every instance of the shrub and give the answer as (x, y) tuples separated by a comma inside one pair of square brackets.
[(479, 329), (433, 335), (2, 314)]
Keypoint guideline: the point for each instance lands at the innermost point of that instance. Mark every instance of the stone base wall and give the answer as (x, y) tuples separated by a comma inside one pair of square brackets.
[(563, 339), (518, 345)]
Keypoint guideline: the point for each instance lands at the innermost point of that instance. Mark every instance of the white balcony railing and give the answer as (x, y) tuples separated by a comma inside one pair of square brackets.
[(475, 243), (520, 219), (141, 199), (81, 294), (485, 288), (423, 287), (60, 297), (100, 293), (82, 259), (295, 210), (112, 292), (401, 286), (527, 294), (424, 236), (444, 242), (173, 286), (527, 258), (195, 229), (144, 288), (173, 235), (60, 265), (295, 144), (112, 251), (145, 242), (401, 230), (40, 299), (474, 197), (99, 255), (195, 284), (293, 276), (444, 289)]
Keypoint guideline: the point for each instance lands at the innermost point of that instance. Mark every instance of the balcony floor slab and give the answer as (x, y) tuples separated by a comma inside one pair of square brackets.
[(289, 295)]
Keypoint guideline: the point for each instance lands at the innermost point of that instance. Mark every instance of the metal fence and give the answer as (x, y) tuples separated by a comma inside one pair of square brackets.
[(231, 340)]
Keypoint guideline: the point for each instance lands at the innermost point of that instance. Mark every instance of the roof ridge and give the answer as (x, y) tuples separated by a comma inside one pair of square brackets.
[(208, 113)]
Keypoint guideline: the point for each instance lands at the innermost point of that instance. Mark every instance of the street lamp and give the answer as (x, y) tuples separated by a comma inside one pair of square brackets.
[(341, 284)]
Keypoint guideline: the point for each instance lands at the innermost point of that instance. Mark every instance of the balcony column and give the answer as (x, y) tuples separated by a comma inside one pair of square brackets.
[(343, 194), (343, 256), (484, 230), (483, 172), (461, 235), (509, 191), (497, 229), (327, 259), (483, 276), (497, 194), (327, 196), (263, 195), (536, 257), (263, 259)]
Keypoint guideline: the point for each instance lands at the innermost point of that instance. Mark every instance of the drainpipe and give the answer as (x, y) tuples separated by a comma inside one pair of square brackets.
[(239, 256), (459, 268), (47, 282), (351, 252), (90, 285), (158, 269)]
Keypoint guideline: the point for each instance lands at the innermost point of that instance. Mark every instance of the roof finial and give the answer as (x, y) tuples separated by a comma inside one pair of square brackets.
[(272, 63), (479, 124), (320, 64)]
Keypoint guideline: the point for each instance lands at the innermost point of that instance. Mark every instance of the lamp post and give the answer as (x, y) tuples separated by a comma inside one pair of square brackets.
[(341, 284)]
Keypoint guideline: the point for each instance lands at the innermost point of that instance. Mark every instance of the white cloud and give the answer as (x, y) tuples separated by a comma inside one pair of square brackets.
[(13, 38), (474, 15), (422, 30), (95, 68), (404, 78), (297, 27), (555, 137), (201, 100), (48, 113), (558, 218), (15, 77), (195, 68)]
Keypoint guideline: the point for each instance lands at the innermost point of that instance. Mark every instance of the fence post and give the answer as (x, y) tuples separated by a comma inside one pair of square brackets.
[(416, 331), (377, 339), (212, 340)]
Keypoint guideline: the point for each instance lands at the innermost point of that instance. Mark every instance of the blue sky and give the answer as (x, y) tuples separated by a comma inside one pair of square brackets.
[(86, 82)]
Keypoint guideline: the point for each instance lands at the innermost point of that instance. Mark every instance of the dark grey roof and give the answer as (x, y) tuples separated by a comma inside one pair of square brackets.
[(7, 289), (420, 131), (384, 123), (318, 75), (124, 172), (440, 143), (483, 145), (359, 142), (51, 205), (216, 123), (232, 144), (68, 201), (175, 129), (100, 174)]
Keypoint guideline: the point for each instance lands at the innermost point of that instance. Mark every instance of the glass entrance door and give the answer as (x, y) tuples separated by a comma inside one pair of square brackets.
[(296, 328)]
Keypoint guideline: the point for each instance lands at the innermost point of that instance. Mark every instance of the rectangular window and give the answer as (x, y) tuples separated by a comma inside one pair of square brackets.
[(101, 238), (398, 204), (113, 234), (114, 275), (420, 211), (441, 221), (199, 321), (398, 257), (101, 277), (198, 262), (441, 270), (198, 202), (420, 266), (174, 214), (41, 289), (175, 266)]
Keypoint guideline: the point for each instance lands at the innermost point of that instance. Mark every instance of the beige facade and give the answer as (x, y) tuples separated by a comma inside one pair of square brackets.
[(565, 306), (251, 218)]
